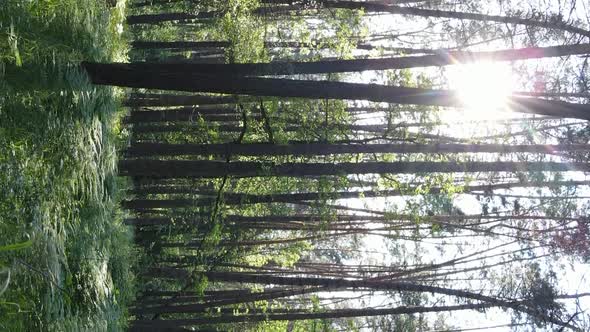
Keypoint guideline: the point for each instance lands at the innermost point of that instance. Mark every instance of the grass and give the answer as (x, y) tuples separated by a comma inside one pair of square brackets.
[(58, 179)]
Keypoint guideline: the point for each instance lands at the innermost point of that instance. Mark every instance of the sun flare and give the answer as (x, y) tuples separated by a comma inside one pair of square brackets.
[(482, 87)]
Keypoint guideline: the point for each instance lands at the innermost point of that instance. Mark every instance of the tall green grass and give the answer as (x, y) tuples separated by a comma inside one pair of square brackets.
[(58, 177)]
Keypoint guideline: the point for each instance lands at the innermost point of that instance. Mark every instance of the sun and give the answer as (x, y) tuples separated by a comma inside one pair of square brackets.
[(482, 87)]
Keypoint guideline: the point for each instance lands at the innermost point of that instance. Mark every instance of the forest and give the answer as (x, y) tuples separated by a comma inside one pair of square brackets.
[(295, 165)]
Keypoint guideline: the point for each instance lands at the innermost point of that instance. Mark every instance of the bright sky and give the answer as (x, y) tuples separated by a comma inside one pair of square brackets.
[(573, 276), (484, 88)]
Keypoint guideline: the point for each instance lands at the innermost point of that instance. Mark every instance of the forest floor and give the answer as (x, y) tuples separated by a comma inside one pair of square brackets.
[(66, 258)]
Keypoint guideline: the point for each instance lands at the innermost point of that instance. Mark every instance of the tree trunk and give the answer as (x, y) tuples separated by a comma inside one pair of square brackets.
[(167, 17), (144, 76), (142, 325), (267, 295), (314, 221), (317, 149), (154, 2), (191, 114), (203, 45), (355, 284), (239, 198), (357, 65), (214, 169), (376, 129), (182, 100), (187, 126), (337, 283), (185, 45), (372, 7), (433, 13)]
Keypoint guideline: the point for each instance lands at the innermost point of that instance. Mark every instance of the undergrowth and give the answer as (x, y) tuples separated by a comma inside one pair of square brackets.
[(58, 177)]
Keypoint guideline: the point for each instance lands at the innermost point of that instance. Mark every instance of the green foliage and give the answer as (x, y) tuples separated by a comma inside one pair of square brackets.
[(538, 285), (244, 32), (201, 284), (16, 246), (279, 326), (349, 28), (3, 269), (55, 30), (58, 180)]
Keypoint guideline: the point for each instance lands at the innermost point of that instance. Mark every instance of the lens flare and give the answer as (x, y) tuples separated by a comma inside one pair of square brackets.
[(483, 88)]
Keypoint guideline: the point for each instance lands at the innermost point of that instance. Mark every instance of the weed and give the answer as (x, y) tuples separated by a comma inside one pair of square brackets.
[(58, 177)]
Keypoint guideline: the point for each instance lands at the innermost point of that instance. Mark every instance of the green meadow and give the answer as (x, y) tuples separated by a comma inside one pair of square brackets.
[(66, 258)]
